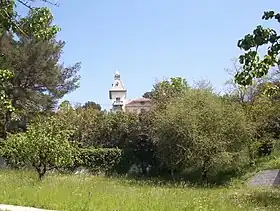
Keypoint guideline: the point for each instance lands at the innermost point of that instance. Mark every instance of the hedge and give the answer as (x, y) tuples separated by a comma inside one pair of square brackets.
[(100, 160)]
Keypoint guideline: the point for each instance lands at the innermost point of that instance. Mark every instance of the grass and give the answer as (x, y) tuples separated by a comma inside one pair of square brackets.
[(72, 192)]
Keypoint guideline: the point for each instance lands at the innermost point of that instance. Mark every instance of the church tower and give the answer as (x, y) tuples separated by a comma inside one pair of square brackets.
[(117, 94)]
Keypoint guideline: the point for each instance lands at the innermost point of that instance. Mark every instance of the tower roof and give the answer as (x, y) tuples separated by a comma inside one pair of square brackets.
[(117, 84)]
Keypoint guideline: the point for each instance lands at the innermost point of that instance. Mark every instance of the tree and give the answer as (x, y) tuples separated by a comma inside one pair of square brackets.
[(199, 131), (143, 146), (252, 64), (65, 105), (166, 90), (39, 79), (87, 123), (260, 108), (203, 85), (37, 22), (5, 83), (36, 27), (5, 101), (45, 145), (117, 129), (92, 105), (240, 93), (148, 95)]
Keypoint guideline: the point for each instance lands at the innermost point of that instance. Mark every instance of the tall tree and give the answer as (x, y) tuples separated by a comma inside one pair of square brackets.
[(199, 131), (253, 65), (38, 21), (240, 93), (39, 79), (37, 25), (167, 89)]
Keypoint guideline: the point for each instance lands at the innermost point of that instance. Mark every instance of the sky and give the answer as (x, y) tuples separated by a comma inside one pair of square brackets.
[(147, 40)]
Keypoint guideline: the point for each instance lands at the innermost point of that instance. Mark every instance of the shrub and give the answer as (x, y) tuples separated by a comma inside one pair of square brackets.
[(265, 113), (100, 160), (200, 131), (117, 129), (45, 145)]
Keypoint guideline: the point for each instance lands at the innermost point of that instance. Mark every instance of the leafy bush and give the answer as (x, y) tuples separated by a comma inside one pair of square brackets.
[(265, 112), (201, 131), (101, 129), (45, 145), (101, 159), (117, 130)]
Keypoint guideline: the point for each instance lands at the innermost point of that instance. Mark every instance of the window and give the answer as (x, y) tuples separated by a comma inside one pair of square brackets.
[(118, 99)]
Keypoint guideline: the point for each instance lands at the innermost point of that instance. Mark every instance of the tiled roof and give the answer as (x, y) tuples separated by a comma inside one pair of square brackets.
[(139, 100)]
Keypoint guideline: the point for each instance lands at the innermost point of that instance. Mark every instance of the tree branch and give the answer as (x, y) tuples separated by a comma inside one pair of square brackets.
[(25, 4)]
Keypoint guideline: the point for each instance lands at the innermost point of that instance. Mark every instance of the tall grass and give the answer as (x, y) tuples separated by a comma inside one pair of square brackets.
[(72, 192)]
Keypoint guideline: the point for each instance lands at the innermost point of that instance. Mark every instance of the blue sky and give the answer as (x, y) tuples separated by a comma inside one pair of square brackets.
[(150, 39)]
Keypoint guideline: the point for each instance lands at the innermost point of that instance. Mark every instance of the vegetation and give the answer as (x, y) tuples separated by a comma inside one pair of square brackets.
[(201, 132), (44, 145), (66, 192), (253, 65), (35, 25), (190, 134), (100, 160), (38, 81)]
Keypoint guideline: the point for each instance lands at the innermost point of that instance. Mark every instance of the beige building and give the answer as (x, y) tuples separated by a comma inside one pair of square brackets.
[(138, 105), (118, 97)]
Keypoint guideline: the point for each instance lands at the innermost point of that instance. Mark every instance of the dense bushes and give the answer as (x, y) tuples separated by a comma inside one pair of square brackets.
[(195, 132), (264, 112), (44, 145), (100, 160), (199, 131)]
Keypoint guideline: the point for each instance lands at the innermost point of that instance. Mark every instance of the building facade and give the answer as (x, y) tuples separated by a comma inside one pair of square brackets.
[(117, 94), (118, 97), (138, 105)]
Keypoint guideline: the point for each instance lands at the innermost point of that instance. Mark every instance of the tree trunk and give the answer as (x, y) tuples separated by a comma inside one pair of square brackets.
[(205, 167), (204, 175), (41, 170), (8, 117)]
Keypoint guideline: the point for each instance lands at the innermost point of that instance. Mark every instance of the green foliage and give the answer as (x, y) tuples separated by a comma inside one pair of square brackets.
[(29, 50), (164, 91), (65, 106), (7, 15), (101, 129), (38, 24), (39, 79), (265, 113), (45, 145), (5, 84), (35, 25), (201, 131), (103, 160), (253, 66), (117, 129), (92, 105), (86, 121)]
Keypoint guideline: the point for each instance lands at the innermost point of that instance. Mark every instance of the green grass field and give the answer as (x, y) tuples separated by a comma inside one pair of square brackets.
[(72, 192)]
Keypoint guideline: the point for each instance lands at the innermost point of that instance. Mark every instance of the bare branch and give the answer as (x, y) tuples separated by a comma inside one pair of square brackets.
[(51, 3), (25, 4)]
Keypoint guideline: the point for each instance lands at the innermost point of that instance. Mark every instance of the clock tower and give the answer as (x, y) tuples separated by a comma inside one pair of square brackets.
[(117, 94)]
